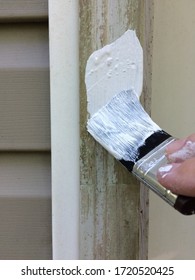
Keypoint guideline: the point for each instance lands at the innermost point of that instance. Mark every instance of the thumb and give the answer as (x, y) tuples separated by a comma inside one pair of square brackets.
[(178, 177), (182, 149)]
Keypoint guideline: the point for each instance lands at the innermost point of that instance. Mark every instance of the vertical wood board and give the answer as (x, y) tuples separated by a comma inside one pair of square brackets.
[(110, 196), (147, 44)]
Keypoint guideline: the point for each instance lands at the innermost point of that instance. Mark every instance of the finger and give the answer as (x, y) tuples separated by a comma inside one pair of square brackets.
[(175, 146), (187, 151), (178, 144), (179, 177)]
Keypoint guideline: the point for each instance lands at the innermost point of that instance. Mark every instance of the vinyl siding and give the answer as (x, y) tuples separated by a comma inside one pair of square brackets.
[(25, 184)]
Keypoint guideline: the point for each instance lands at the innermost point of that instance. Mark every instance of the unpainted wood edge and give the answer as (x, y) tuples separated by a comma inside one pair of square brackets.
[(148, 14)]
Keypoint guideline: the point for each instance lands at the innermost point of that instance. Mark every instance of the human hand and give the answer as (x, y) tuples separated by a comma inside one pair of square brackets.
[(179, 174)]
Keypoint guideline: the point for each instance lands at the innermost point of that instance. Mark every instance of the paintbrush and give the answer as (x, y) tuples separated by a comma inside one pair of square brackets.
[(125, 130)]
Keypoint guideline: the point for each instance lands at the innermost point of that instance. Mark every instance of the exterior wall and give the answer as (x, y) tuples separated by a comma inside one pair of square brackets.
[(25, 206), (25, 187), (171, 235), (113, 210)]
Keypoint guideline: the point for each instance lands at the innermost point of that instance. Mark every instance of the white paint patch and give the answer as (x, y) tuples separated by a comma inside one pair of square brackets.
[(187, 151), (112, 69), (165, 168)]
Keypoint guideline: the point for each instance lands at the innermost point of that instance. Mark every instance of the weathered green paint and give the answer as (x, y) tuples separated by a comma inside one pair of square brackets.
[(111, 217)]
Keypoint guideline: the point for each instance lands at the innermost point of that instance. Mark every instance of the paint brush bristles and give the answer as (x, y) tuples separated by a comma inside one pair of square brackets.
[(122, 126)]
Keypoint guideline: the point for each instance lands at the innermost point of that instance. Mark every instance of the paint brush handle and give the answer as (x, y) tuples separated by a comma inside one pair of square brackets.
[(146, 169), (185, 204)]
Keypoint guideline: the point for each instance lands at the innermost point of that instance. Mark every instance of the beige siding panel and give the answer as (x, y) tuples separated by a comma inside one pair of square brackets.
[(25, 206), (24, 45), (25, 185), (24, 114), (24, 91), (23, 10)]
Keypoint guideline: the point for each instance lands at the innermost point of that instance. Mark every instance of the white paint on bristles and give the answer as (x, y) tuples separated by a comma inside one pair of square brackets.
[(122, 126), (115, 67)]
